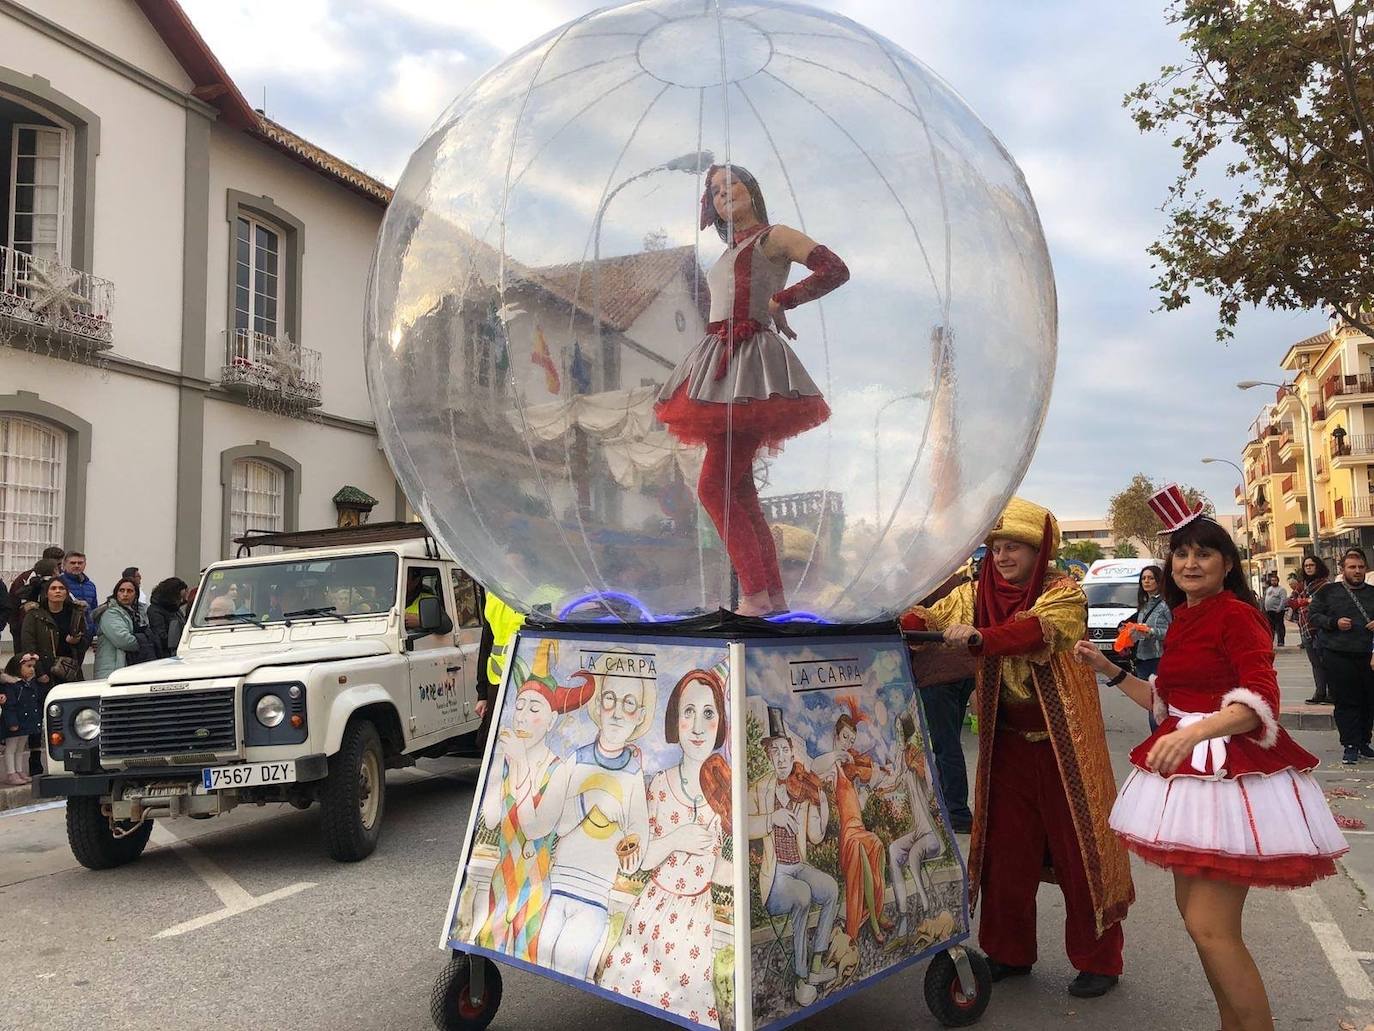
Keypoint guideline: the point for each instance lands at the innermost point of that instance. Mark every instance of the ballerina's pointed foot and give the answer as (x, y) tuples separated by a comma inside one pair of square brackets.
[(757, 604)]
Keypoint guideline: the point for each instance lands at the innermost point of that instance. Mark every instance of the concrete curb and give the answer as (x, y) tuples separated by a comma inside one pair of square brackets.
[(1307, 717), (16, 797)]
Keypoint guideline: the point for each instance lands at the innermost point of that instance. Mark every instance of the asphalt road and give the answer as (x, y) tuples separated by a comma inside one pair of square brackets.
[(265, 932)]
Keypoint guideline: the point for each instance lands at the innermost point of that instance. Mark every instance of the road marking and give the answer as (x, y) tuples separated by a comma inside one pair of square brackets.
[(1344, 962), (235, 898)]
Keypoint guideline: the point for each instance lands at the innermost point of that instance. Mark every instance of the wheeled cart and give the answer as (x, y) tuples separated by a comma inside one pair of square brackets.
[(728, 826)]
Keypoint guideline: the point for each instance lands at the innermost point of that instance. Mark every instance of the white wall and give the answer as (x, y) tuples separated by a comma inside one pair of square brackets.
[(138, 202), (121, 28), (329, 458), (340, 229), (131, 479)]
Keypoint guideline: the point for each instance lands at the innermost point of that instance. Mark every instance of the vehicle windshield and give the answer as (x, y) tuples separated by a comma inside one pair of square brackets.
[(320, 589), (1110, 595)]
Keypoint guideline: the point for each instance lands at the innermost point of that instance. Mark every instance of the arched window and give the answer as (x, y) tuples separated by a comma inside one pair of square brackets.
[(257, 497), (33, 478)]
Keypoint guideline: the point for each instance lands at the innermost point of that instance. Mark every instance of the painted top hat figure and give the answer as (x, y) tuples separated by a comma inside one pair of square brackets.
[(743, 388)]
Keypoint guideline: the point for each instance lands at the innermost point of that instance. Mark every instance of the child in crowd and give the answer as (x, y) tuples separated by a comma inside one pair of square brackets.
[(21, 702)]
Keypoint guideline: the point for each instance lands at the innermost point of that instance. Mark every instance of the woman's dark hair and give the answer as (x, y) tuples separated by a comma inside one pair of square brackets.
[(168, 592), (1140, 596), (696, 676), (750, 183), (1323, 570), (120, 583), (47, 586), (1203, 533)]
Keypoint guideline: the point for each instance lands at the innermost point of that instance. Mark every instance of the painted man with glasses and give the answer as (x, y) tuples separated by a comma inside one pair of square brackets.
[(602, 824)]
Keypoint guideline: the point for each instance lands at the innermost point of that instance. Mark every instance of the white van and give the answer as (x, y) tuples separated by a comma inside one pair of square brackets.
[(1112, 586)]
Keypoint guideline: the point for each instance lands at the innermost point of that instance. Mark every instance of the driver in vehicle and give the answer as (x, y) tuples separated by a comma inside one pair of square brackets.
[(418, 581)]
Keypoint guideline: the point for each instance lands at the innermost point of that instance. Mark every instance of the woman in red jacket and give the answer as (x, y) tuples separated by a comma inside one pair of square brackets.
[(1219, 794)]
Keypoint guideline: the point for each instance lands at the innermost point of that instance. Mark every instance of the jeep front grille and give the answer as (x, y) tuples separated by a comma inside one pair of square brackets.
[(135, 726)]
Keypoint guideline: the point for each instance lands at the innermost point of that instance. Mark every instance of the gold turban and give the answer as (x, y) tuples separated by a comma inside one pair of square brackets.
[(1024, 521)]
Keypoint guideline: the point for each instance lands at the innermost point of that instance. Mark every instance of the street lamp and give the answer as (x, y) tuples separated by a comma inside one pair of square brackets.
[(1292, 391), (1244, 513), (693, 163), (919, 395)]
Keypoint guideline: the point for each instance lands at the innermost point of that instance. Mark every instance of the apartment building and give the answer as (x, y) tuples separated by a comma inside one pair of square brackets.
[(1307, 464)]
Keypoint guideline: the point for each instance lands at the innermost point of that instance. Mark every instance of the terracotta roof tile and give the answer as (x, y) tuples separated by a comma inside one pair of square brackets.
[(321, 160), (628, 283)]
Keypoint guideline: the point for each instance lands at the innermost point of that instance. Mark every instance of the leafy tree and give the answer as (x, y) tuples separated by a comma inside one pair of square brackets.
[(1278, 97), (1130, 516), (1125, 549), (1084, 551)]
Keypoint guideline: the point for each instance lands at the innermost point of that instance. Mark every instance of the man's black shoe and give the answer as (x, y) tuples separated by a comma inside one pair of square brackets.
[(1090, 986), (1366, 752), (1351, 755), (1317, 701), (1001, 971)]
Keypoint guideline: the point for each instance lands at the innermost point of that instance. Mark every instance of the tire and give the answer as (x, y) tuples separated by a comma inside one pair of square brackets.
[(353, 796), (945, 996), (93, 842), (450, 1006)]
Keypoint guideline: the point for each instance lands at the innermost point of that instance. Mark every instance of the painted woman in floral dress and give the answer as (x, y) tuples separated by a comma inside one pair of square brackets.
[(663, 958)]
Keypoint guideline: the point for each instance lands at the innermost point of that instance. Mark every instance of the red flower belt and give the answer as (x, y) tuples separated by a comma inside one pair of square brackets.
[(732, 333)]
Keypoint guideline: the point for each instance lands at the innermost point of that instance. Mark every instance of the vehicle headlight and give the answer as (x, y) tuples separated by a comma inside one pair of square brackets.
[(86, 723), (271, 710)]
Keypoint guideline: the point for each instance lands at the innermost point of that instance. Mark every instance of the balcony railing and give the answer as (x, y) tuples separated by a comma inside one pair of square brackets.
[(1321, 520), (277, 366), (1293, 531), (1352, 508), (41, 294), (1337, 386), (1287, 484), (1353, 445)]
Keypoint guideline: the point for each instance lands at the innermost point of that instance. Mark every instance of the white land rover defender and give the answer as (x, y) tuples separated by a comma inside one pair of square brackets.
[(301, 676)]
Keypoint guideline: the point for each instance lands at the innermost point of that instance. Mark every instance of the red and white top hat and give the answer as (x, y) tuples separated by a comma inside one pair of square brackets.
[(1172, 508)]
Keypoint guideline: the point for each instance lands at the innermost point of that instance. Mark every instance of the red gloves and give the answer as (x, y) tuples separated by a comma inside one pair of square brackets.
[(828, 272)]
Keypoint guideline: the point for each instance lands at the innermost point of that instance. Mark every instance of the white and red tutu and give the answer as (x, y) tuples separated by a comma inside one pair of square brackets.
[(1246, 808)]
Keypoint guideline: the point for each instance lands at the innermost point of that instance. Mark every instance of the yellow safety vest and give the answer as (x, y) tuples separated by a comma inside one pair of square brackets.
[(504, 622)]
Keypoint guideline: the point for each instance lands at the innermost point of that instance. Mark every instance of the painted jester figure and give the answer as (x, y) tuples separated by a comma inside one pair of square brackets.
[(1044, 785)]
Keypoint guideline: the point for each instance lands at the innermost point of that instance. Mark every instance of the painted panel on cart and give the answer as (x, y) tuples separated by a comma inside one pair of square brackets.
[(602, 851), (852, 868)]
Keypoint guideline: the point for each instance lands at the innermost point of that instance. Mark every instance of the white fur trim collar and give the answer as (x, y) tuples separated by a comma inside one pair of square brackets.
[(1157, 704)]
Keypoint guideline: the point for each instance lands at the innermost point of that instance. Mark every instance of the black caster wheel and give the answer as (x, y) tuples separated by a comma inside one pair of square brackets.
[(451, 1004), (951, 1002)]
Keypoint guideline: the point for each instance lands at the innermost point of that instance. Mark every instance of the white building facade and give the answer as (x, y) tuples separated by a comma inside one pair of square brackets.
[(181, 308)]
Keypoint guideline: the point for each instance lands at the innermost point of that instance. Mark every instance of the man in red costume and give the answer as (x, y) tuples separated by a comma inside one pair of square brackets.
[(1044, 785)]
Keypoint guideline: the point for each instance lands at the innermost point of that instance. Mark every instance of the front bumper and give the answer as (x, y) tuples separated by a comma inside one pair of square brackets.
[(308, 768)]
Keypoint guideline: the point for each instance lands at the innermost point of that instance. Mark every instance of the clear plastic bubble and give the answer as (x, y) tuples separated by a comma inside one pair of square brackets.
[(545, 295)]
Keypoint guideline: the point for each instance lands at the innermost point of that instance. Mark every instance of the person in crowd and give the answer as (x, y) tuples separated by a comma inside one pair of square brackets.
[(132, 573), (1343, 614), (1219, 794), (119, 623), (946, 697), (1315, 576), (164, 614), (21, 710), (57, 631), (24, 589), (81, 586), (1275, 601), (1039, 730), (1153, 614), (416, 589)]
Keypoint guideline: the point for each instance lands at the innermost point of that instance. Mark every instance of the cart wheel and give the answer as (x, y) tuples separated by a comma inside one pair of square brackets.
[(450, 1004), (952, 1003)]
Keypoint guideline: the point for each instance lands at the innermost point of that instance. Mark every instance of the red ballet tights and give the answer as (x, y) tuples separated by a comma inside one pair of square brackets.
[(727, 487)]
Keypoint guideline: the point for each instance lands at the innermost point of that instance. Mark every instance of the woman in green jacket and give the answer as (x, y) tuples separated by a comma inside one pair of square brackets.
[(118, 620)]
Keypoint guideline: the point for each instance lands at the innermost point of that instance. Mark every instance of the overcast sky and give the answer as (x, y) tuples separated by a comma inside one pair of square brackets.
[(1136, 389)]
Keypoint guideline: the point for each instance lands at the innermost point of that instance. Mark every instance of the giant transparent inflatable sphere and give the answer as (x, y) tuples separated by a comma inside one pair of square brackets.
[(691, 306)]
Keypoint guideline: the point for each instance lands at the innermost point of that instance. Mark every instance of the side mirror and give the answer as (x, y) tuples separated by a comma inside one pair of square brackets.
[(433, 618)]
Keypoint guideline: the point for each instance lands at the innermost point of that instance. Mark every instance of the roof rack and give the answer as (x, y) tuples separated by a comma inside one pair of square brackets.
[(338, 537)]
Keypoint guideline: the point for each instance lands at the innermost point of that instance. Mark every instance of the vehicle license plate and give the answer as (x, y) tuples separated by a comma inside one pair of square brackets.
[(248, 775)]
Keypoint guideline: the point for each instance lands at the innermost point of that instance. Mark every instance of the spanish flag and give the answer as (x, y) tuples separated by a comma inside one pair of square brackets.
[(540, 356)]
